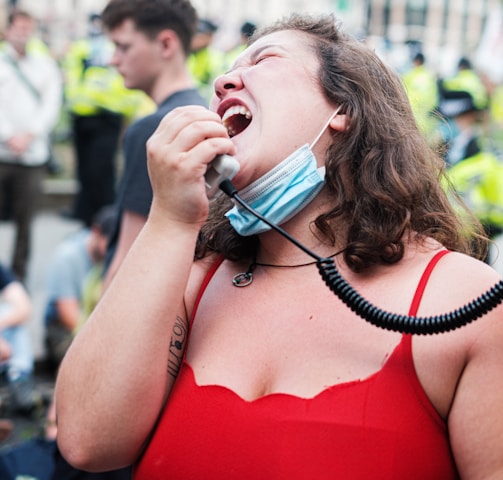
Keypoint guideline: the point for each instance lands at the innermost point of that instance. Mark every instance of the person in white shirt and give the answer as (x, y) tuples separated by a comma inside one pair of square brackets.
[(30, 103)]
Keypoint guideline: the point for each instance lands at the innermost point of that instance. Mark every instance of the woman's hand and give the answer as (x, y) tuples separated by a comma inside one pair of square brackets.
[(186, 141)]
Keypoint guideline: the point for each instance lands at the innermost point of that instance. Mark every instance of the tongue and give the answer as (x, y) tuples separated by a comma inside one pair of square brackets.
[(236, 124)]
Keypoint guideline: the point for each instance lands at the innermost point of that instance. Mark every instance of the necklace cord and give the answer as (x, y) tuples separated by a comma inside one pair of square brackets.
[(372, 314)]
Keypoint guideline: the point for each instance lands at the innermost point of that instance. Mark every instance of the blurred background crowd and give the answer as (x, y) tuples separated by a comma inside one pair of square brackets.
[(449, 54)]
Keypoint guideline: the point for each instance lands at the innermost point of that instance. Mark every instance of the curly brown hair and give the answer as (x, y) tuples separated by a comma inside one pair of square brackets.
[(384, 180)]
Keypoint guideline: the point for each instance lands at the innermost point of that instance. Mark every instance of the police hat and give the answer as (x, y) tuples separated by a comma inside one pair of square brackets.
[(455, 102), (206, 26)]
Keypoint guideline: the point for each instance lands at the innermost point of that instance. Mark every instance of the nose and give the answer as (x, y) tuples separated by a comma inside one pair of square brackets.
[(227, 82)]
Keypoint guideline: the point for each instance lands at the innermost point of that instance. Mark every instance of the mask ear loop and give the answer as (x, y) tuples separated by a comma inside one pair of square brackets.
[(325, 127)]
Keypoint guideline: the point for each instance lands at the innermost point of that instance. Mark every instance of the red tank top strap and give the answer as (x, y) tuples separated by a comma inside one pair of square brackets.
[(414, 306), (404, 349), (213, 268)]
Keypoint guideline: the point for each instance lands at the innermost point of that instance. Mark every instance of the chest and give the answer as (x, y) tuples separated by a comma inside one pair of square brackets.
[(283, 333)]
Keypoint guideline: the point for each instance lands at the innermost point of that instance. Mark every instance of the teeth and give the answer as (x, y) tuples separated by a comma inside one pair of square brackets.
[(236, 110)]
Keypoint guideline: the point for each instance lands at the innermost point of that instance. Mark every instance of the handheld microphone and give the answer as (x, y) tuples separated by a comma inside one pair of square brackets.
[(223, 167)]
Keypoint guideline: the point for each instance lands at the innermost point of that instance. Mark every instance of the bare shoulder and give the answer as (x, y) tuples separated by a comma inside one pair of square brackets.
[(445, 362), (471, 359), (459, 278), (456, 260), (464, 279)]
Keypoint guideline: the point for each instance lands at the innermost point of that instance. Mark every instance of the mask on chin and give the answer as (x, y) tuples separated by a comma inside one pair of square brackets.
[(282, 192)]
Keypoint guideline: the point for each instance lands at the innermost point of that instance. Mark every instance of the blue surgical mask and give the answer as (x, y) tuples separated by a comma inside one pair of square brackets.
[(282, 192)]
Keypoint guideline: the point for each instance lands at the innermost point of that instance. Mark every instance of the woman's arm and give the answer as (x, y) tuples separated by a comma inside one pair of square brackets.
[(475, 419), (113, 381)]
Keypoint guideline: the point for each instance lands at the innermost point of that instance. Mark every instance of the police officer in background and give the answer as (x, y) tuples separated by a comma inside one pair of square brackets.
[(421, 86), (474, 170), (467, 79), (99, 105), (205, 62), (246, 30)]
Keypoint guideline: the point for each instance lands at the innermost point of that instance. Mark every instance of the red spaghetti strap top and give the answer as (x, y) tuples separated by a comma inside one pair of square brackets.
[(382, 427)]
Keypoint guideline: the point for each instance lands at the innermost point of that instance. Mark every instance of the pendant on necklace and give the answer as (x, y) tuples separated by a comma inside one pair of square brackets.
[(242, 279)]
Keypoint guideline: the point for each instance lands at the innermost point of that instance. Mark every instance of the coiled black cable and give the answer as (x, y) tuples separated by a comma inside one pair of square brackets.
[(372, 314), (407, 323)]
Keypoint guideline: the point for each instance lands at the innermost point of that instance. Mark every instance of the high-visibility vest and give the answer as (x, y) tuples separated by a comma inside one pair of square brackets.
[(94, 86), (422, 91), (205, 65), (469, 81), (496, 105), (479, 181)]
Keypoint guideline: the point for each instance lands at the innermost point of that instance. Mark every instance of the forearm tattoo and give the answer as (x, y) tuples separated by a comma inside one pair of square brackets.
[(177, 346)]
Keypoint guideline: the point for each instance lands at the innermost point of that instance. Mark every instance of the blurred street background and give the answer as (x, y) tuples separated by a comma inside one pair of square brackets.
[(444, 31)]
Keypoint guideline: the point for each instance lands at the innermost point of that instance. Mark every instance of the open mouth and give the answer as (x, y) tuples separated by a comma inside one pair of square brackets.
[(236, 119)]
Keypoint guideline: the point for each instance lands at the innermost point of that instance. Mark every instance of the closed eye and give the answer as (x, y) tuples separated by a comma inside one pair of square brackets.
[(262, 58)]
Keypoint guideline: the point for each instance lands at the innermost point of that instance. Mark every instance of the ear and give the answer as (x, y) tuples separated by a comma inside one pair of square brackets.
[(340, 122), (169, 42)]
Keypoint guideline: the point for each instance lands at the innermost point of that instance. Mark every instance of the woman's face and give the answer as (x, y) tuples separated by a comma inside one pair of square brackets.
[(271, 102)]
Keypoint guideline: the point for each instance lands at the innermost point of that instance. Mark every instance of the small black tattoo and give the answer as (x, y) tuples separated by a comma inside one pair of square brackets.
[(176, 346)]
